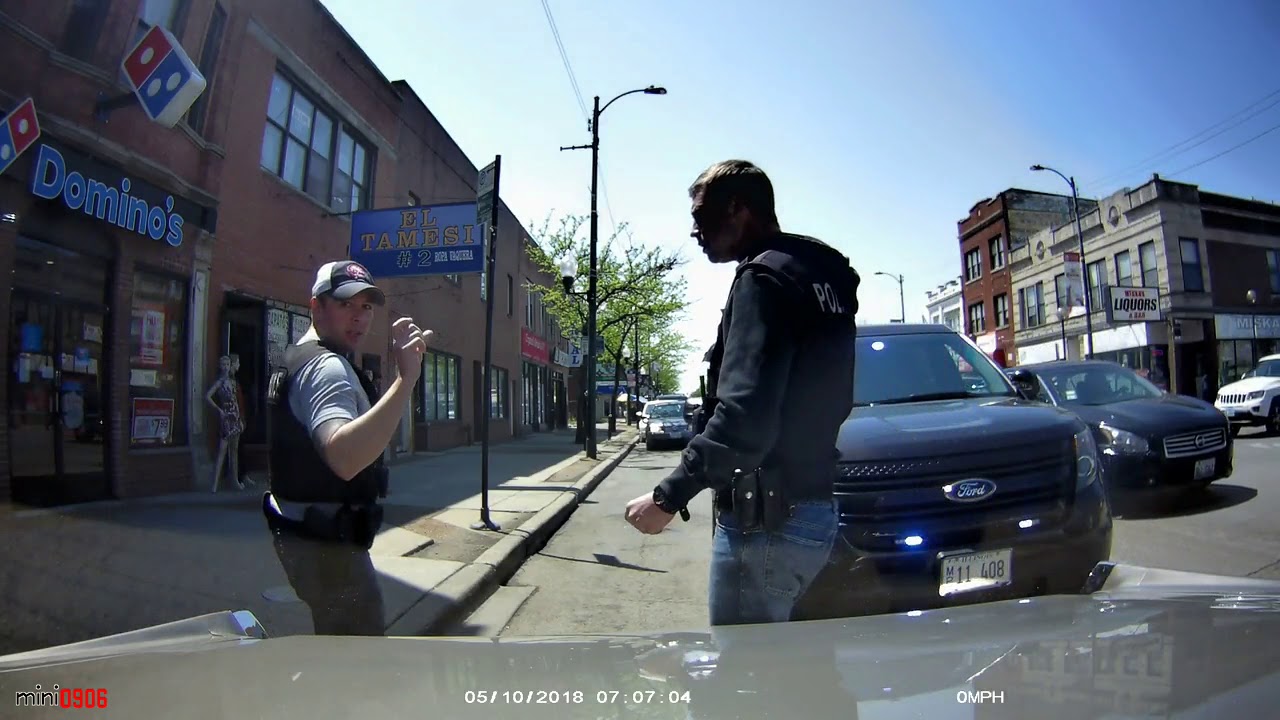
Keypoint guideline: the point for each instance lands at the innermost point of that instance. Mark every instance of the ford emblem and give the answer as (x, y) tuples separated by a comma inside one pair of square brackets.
[(971, 490)]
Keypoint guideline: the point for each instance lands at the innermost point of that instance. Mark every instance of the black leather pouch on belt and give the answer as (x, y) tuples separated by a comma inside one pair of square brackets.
[(775, 506), (747, 508), (345, 524)]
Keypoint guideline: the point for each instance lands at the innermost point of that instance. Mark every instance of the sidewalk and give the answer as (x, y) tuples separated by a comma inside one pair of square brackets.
[(82, 572)]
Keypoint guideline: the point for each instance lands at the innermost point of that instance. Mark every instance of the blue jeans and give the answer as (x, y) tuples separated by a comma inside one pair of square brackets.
[(758, 576)]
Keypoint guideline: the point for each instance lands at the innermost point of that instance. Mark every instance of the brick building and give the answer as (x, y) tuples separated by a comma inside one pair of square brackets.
[(994, 228), (1198, 252), (115, 334)]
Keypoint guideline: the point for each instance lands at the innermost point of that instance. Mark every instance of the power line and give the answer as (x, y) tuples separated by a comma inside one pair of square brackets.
[(564, 57), (1233, 148), (1174, 151), (582, 104)]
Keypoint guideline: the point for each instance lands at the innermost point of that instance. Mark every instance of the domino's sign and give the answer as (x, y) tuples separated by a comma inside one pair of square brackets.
[(162, 76), (18, 131)]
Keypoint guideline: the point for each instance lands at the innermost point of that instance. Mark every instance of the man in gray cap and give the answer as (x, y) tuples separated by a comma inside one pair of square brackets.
[(329, 429)]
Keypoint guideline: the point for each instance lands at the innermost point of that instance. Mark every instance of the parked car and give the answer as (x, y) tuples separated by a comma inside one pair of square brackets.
[(664, 422), (1148, 438), (1253, 399), (952, 491)]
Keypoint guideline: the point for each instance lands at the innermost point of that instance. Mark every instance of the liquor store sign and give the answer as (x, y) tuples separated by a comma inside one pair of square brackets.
[(109, 195)]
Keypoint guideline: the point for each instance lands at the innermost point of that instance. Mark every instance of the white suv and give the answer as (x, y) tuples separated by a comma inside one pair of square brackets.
[(1255, 398)]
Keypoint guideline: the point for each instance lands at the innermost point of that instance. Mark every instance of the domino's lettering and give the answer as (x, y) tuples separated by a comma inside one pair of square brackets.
[(827, 299), (50, 180)]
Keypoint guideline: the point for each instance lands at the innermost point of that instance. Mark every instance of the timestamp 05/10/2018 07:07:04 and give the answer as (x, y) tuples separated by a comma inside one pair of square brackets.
[(61, 697), (576, 697)]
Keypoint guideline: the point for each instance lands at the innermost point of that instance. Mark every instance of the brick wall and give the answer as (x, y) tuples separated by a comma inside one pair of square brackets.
[(987, 220)]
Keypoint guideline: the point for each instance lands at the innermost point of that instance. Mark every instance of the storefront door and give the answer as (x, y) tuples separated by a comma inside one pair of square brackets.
[(57, 435)]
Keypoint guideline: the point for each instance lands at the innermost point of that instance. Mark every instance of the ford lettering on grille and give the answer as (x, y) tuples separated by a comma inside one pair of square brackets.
[(966, 491)]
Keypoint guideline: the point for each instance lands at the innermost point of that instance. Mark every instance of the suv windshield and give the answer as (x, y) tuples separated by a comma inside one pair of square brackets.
[(1097, 385), (924, 366), (666, 411), (1266, 368)]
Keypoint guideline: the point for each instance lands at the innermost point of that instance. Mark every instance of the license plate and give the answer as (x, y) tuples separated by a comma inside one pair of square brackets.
[(975, 571), (1229, 413), (1204, 468)]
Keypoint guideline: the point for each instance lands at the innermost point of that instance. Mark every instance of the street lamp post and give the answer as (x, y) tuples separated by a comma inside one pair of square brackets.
[(568, 272), (1084, 266), (902, 298), (590, 360), (1062, 313)]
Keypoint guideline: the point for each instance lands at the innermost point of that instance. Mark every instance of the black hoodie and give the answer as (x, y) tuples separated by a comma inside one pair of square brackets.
[(781, 375)]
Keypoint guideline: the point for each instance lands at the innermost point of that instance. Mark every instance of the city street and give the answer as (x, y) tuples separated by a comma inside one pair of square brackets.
[(598, 575)]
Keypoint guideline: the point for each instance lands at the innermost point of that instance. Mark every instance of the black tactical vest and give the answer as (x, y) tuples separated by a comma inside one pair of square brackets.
[(298, 471)]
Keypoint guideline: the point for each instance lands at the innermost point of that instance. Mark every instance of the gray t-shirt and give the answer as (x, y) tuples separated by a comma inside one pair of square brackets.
[(327, 388)]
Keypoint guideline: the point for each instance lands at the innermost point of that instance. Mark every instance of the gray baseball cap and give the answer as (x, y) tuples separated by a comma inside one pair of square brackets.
[(344, 280)]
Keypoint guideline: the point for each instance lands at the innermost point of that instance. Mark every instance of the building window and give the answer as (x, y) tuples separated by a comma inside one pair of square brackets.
[(1097, 282), (1147, 264), (997, 252), (498, 378), (1001, 303), (973, 265), (84, 27), (1273, 269), (1124, 269), (1060, 290), (529, 312), (208, 64), (157, 361), (977, 318), (1192, 275), (511, 296), (440, 383), (307, 148), (1031, 305)]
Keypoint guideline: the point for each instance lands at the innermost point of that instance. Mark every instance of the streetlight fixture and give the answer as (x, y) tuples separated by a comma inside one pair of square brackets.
[(590, 360), (1084, 266), (902, 298)]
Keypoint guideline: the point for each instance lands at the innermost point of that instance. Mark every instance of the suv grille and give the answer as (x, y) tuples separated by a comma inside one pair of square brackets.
[(1195, 443), (1035, 477), (1233, 399)]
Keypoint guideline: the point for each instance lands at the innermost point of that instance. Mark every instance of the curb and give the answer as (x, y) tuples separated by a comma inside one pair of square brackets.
[(468, 588)]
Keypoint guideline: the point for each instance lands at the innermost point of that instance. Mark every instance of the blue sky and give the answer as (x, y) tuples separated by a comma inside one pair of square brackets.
[(879, 123)]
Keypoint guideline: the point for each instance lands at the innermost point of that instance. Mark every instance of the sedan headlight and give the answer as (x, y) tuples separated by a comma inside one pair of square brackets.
[(1123, 441), (1086, 452)]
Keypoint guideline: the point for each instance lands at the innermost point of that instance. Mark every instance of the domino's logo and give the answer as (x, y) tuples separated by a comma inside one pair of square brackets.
[(19, 130), (163, 77)]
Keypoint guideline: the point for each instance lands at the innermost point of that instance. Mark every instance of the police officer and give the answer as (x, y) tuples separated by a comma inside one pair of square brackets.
[(329, 429), (779, 386)]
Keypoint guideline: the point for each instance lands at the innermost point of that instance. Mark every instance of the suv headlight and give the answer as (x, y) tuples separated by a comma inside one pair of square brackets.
[(1257, 394), (1086, 454), (1123, 441)]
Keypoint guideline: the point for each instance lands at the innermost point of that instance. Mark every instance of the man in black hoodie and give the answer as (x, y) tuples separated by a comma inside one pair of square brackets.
[(779, 386)]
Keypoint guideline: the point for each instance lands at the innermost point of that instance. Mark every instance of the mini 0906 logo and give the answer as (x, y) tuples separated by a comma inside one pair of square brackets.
[(62, 697)]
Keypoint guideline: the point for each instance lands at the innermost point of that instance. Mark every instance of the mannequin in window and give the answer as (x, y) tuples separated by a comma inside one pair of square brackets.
[(222, 396), (244, 420)]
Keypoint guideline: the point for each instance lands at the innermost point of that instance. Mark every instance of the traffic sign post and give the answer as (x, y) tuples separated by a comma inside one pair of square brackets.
[(487, 197)]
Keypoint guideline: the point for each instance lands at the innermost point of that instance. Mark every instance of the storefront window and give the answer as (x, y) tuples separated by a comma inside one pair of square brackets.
[(157, 361), (497, 392), (439, 387)]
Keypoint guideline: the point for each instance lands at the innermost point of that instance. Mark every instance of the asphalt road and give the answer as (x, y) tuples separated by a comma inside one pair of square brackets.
[(597, 575)]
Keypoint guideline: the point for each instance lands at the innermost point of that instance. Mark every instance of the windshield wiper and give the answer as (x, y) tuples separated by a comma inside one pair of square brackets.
[(925, 397)]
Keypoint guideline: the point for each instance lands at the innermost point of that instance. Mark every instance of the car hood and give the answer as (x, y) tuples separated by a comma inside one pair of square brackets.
[(1249, 385), (1154, 416), (940, 427), (1146, 642)]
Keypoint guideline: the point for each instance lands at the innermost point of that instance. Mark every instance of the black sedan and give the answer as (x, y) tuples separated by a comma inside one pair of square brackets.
[(1149, 439)]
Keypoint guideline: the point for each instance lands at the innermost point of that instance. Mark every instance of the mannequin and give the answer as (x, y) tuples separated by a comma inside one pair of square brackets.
[(222, 396), (244, 419)]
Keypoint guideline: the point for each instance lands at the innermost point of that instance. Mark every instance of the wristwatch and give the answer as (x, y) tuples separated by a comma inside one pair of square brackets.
[(665, 505)]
